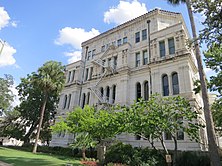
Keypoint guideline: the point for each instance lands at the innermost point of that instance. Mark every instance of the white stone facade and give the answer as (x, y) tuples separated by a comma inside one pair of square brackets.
[(120, 65)]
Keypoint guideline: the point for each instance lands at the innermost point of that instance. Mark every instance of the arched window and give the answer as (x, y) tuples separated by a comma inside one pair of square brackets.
[(114, 94), (138, 91), (65, 102), (88, 97), (83, 100), (69, 101), (107, 93), (165, 85), (175, 84), (146, 90)]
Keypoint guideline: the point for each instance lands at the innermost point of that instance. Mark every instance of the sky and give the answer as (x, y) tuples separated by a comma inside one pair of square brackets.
[(36, 31)]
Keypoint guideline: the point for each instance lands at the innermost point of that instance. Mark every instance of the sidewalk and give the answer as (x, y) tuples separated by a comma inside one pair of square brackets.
[(4, 164)]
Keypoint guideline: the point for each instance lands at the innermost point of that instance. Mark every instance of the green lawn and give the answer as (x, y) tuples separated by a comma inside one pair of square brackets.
[(21, 158)]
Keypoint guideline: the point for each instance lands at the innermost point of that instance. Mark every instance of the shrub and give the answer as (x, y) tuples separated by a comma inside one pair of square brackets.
[(193, 159), (126, 154)]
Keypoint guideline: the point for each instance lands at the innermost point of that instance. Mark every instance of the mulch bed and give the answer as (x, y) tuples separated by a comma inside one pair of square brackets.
[(89, 163)]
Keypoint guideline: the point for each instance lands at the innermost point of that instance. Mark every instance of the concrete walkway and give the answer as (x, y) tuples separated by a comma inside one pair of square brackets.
[(4, 164)]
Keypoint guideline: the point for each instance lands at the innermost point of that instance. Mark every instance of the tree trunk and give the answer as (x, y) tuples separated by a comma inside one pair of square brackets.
[(84, 153), (213, 149), (40, 123)]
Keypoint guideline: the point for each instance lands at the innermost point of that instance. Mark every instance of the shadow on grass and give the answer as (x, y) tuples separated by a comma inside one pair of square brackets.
[(23, 161)]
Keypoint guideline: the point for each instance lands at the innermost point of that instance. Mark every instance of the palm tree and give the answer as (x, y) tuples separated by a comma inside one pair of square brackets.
[(213, 149), (50, 78)]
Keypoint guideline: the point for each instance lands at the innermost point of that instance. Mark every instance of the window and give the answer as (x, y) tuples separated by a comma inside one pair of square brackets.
[(137, 37), (93, 53), (145, 57), (115, 62), (119, 42), (109, 62), (65, 102), (137, 59), (165, 85), (146, 90), (86, 75), (73, 76), (103, 69), (137, 137), (171, 46), (69, 75), (124, 40), (138, 91), (101, 91), (69, 101), (175, 84), (168, 136), (107, 93), (144, 34), (103, 48), (107, 46), (114, 94), (88, 97), (89, 55), (91, 72), (162, 49), (83, 100)]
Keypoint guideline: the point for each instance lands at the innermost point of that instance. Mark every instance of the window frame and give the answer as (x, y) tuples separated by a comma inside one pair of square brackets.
[(162, 49), (137, 37)]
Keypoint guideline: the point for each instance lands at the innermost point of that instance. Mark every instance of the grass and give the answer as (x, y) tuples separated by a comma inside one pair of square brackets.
[(21, 158)]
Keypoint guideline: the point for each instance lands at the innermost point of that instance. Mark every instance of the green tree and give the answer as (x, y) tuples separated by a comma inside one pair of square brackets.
[(83, 141), (98, 124), (50, 78), (214, 153), (169, 115), (6, 95)]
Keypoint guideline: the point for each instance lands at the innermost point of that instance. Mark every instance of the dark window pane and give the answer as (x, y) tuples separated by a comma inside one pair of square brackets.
[(162, 48)]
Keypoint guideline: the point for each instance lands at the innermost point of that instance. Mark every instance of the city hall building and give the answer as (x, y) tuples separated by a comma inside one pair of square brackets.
[(146, 55)]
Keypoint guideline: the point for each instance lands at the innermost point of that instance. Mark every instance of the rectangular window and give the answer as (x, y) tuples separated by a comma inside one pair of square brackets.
[(171, 46), (168, 136), (137, 59), (119, 42), (73, 75), (91, 72), (162, 49), (86, 76), (137, 37), (89, 55), (69, 76), (144, 34), (145, 57), (124, 40), (93, 53), (107, 45), (115, 62), (103, 48)]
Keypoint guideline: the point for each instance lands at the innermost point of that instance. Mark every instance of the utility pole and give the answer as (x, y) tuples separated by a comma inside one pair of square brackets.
[(3, 44), (83, 73), (149, 50)]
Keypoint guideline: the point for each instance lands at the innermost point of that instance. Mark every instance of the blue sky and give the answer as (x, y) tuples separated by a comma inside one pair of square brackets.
[(42, 30)]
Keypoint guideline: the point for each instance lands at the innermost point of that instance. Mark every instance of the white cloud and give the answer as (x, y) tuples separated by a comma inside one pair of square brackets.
[(74, 37), (4, 21), (74, 56), (6, 57), (124, 11), (209, 72)]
